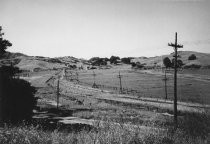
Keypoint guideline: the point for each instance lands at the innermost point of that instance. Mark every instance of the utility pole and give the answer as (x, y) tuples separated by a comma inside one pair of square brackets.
[(120, 77), (58, 94), (94, 80), (175, 46), (77, 77), (165, 79)]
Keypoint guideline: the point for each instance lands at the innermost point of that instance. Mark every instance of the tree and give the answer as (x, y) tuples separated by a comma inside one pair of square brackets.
[(179, 63), (96, 61), (167, 62), (17, 99), (113, 59), (137, 65), (4, 44), (126, 60), (17, 96), (192, 57)]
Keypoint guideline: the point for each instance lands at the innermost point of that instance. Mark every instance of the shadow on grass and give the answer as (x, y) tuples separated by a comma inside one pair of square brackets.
[(48, 119)]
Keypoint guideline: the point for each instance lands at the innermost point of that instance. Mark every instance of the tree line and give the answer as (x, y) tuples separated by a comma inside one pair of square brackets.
[(97, 61)]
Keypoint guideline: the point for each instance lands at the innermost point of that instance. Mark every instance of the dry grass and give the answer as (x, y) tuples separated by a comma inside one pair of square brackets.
[(103, 133), (192, 88)]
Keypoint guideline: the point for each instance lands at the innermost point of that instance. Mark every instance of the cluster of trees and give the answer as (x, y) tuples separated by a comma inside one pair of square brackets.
[(127, 60), (17, 99), (137, 65), (97, 61), (170, 63)]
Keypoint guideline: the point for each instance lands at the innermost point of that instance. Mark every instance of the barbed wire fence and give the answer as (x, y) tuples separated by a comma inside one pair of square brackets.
[(145, 92)]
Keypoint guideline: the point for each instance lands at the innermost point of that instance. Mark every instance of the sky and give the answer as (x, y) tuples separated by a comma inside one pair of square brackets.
[(90, 28)]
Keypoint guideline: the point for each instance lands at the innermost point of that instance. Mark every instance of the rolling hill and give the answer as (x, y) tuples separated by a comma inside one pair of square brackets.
[(203, 59), (31, 63), (35, 63)]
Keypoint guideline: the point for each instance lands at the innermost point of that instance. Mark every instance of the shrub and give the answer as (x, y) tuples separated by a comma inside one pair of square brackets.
[(96, 61), (133, 64), (167, 62), (192, 57), (114, 59), (193, 66), (126, 60), (17, 97), (137, 65)]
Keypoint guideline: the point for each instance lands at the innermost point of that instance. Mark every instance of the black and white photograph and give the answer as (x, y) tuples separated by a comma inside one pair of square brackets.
[(104, 71)]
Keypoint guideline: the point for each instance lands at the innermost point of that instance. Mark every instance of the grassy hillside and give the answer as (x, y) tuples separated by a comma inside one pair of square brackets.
[(31, 63), (37, 62), (203, 59), (10, 55)]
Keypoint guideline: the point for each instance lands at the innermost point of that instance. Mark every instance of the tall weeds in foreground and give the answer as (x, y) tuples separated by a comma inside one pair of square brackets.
[(195, 124), (104, 133)]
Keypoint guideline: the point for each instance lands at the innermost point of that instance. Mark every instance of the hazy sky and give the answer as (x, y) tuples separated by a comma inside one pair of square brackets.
[(87, 28)]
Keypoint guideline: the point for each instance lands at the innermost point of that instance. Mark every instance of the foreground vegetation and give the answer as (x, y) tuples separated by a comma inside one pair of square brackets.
[(109, 134), (194, 129)]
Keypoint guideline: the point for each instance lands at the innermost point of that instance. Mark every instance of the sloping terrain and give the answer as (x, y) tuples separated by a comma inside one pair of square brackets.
[(83, 104), (202, 59), (36, 63), (32, 64)]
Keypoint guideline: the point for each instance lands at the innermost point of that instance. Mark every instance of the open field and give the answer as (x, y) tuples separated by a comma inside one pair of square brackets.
[(103, 115), (193, 86), (92, 115)]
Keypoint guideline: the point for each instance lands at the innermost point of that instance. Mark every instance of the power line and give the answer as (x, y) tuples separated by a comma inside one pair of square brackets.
[(94, 80), (165, 79)]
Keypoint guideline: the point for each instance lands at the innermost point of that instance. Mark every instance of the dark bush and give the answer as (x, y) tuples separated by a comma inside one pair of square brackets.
[(96, 61), (192, 57), (193, 66), (133, 64), (167, 62), (137, 65), (126, 60), (114, 59), (17, 97), (93, 68)]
